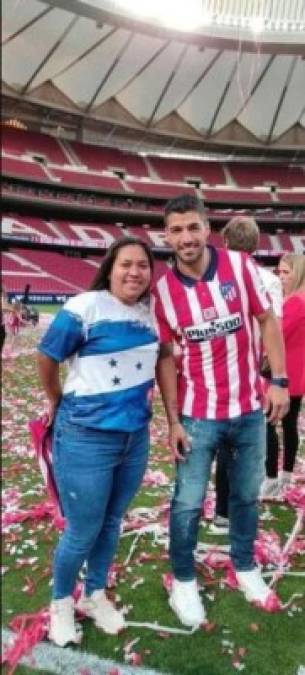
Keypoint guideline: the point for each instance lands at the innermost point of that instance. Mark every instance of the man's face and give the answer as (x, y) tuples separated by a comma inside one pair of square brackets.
[(187, 234)]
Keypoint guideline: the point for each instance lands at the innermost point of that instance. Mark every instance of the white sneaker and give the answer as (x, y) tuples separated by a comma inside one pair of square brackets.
[(186, 603), (102, 611), (253, 586), (270, 488), (220, 525), (63, 628), (285, 480)]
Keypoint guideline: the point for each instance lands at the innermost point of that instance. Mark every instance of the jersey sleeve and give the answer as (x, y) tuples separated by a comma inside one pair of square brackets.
[(259, 299), (65, 335), (276, 295), (162, 326)]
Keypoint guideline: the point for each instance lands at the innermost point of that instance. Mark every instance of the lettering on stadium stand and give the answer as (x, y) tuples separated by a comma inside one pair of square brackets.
[(213, 329)]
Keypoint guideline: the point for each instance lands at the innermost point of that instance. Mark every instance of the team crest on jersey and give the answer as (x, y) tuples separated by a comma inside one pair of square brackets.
[(228, 291)]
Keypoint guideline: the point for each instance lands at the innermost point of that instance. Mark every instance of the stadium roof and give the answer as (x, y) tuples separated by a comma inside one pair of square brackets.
[(237, 82)]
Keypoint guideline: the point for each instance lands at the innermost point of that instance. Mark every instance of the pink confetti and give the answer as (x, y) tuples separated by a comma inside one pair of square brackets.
[(31, 629)]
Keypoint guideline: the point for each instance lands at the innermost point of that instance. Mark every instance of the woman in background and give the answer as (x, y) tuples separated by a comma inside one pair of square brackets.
[(291, 271)]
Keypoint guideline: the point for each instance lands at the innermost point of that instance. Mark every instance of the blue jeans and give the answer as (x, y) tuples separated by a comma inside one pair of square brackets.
[(247, 435), (97, 474)]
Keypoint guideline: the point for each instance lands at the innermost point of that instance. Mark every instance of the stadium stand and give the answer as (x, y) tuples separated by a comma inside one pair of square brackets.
[(20, 142), (103, 158), (88, 180), (166, 190), (182, 170), (237, 196), (21, 167), (248, 175), (292, 197)]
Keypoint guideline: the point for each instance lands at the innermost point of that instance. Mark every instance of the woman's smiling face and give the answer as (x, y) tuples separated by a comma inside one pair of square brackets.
[(131, 274)]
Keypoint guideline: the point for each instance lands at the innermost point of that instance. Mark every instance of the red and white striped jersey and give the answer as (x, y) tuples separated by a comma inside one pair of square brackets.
[(212, 322)]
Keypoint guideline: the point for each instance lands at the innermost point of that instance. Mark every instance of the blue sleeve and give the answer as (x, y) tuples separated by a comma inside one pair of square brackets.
[(65, 335)]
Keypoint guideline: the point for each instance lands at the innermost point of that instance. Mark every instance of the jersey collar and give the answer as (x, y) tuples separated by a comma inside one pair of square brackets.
[(207, 276)]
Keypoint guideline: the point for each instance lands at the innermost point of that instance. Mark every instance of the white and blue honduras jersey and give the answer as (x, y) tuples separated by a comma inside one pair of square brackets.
[(111, 350)]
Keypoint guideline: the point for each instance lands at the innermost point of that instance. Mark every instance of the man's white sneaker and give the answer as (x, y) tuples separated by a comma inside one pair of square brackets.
[(220, 525), (102, 611), (253, 586), (63, 628), (270, 488), (186, 603)]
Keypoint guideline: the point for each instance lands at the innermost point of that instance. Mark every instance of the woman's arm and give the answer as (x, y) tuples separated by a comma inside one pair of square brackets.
[(48, 371)]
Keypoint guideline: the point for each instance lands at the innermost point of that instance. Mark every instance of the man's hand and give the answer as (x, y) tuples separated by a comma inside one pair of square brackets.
[(277, 403), (179, 442)]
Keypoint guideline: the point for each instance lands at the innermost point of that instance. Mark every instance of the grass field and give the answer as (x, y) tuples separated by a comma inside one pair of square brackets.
[(48, 309), (239, 636)]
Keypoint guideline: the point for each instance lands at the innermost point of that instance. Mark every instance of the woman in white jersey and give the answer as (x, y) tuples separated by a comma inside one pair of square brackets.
[(101, 426)]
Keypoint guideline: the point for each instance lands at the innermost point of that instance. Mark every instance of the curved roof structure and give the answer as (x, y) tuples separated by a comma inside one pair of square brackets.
[(218, 85)]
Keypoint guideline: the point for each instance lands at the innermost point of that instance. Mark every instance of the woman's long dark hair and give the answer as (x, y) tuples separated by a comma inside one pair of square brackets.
[(102, 280)]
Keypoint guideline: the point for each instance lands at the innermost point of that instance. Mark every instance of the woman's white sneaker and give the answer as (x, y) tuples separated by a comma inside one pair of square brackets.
[(102, 611), (185, 601), (63, 629)]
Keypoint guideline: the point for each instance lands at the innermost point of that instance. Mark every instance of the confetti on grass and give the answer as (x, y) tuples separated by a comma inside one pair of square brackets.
[(29, 519)]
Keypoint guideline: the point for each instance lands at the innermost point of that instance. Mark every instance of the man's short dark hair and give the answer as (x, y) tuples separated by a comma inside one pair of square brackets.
[(184, 203)]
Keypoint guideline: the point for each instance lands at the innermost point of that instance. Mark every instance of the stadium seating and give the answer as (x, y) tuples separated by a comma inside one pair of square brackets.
[(181, 170), (19, 142), (238, 196), (249, 175), (102, 158), (292, 197), (87, 180), (24, 168), (166, 190)]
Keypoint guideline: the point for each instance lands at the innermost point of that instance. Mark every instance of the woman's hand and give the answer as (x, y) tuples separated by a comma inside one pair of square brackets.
[(51, 411), (179, 442)]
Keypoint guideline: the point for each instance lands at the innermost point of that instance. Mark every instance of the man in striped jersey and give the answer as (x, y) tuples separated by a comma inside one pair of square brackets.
[(206, 304)]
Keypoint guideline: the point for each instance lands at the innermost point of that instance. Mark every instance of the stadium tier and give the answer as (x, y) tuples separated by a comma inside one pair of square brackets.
[(238, 196), (249, 175), (102, 158), (238, 177), (19, 142), (292, 197), (166, 190), (181, 170), (77, 233), (88, 180), (23, 168), (51, 273)]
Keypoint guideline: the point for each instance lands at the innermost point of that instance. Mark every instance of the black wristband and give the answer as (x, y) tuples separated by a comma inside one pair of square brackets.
[(280, 382)]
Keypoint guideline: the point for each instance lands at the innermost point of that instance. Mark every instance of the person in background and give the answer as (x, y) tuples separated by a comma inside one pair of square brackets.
[(14, 322), (207, 303), (101, 426), (291, 270), (5, 311), (242, 234)]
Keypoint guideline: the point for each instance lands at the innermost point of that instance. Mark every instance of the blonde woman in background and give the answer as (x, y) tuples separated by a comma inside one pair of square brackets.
[(291, 272)]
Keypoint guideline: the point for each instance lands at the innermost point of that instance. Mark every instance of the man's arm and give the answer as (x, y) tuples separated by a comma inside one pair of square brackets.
[(277, 398), (166, 373)]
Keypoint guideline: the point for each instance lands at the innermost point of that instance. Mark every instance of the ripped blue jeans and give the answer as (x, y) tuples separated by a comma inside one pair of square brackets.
[(97, 474), (247, 436)]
